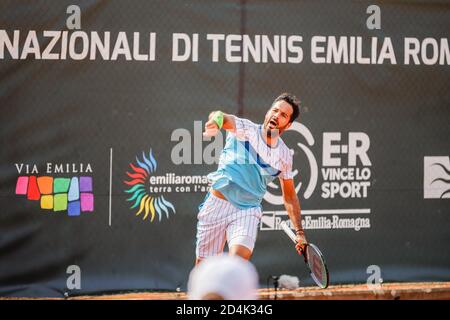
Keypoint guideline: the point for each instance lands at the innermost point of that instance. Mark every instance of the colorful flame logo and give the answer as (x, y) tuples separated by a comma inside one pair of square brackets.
[(139, 196)]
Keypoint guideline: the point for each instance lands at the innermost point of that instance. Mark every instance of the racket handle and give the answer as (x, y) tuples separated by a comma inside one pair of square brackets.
[(288, 231)]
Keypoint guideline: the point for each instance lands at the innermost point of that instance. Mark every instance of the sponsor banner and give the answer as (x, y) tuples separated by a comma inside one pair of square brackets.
[(344, 171)]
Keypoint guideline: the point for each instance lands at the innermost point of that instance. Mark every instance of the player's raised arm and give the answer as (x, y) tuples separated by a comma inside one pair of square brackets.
[(218, 120)]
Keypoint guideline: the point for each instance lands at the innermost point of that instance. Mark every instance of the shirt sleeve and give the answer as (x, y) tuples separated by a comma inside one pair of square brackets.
[(287, 173), (245, 129)]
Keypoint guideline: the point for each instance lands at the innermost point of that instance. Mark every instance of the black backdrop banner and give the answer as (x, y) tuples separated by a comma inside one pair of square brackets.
[(103, 163)]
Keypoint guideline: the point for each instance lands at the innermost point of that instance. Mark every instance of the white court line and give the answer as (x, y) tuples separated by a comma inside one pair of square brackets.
[(110, 182), (324, 211)]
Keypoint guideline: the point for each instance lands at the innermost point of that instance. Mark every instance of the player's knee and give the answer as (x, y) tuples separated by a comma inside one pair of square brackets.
[(241, 251), (242, 243)]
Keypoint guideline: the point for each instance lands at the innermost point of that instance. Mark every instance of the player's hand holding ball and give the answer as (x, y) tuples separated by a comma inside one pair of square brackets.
[(214, 124)]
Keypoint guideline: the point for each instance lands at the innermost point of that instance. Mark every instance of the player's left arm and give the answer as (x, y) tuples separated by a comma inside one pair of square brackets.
[(227, 121), (292, 205)]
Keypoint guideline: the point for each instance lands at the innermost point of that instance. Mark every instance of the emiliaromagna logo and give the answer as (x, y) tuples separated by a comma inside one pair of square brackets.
[(61, 188), (145, 202)]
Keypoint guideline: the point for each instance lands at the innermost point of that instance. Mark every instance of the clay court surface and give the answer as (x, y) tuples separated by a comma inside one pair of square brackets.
[(388, 291)]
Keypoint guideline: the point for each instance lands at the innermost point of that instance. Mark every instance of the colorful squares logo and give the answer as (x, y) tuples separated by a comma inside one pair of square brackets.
[(33, 189), (87, 202), (47, 201), (74, 195), (45, 185), (60, 202), (74, 208), (85, 184), (22, 185), (74, 190), (61, 185)]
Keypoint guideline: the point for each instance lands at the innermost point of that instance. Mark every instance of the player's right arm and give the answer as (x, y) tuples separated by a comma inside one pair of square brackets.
[(292, 205)]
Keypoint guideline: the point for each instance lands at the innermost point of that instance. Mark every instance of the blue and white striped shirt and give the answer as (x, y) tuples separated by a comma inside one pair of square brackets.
[(247, 164)]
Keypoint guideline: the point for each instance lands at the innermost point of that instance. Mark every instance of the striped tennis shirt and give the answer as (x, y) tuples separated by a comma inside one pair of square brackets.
[(247, 164)]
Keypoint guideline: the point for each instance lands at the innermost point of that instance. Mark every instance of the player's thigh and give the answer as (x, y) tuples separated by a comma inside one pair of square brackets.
[(243, 230), (211, 238)]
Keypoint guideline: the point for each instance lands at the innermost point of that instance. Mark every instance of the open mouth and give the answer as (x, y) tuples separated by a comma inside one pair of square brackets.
[(272, 123)]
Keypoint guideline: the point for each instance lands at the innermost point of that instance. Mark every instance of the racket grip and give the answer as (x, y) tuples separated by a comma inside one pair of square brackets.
[(288, 231)]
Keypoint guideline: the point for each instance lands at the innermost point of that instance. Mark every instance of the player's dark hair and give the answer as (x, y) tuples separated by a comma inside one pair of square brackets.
[(293, 101)]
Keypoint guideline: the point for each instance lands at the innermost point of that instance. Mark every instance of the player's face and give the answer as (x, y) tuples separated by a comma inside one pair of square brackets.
[(277, 118)]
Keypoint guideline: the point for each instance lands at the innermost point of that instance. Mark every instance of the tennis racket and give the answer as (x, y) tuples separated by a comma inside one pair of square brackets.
[(313, 259)]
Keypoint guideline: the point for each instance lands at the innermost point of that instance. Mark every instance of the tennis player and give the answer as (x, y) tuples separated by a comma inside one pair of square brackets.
[(253, 156)]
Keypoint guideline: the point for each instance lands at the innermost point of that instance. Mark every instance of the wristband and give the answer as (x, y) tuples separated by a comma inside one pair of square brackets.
[(218, 118), (299, 231)]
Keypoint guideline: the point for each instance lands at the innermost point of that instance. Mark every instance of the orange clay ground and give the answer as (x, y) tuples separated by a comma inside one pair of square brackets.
[(388, 291)]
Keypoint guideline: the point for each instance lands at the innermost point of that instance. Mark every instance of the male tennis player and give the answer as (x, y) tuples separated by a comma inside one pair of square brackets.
[(253, 156)]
